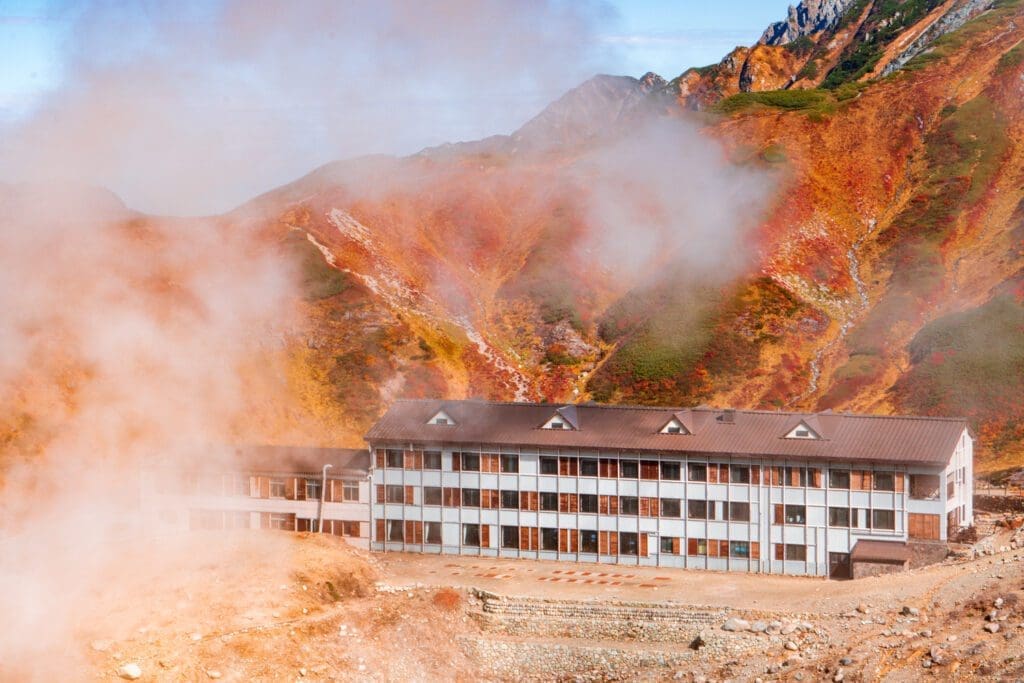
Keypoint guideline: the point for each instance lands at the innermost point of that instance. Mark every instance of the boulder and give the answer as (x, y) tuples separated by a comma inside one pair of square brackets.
[(130, 671), (736, 624)]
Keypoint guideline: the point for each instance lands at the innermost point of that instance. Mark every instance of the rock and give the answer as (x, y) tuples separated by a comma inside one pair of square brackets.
[(213, 673), (302, 670), (909, 611), (992, 616), (998, 603), (774, 626), (799, 675), (937, 655), (926, 663), (196, 637), (759, 626), (790, 645), (846, 661), (838, 678), (951, 639), (992, 627), (788, 628), (735, 624), (698, 642), (862, 608), (927, 633), (130, 671)]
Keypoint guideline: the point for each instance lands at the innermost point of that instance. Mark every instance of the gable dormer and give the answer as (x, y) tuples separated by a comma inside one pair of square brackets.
[(802, 431), (441, 418), (674, 426), (557, 422)]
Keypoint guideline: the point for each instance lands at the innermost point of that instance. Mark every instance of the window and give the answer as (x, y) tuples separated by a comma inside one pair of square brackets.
[(629, 469), (884, 481), (240, 486), (431, 460), (548, 465), (839, 479), (394, 458), (588, 541), (670, 470), (588, 467), (471, 534), (313, 489), (738, 512), (628, 543), (629, 505), (697, 546), (649, 469), (510, 463), (697, 509), (796, 514), (510, 500), (883, 519), (509, 537), (924, 486), (696, 472), (470, 462), (433, 532), (950, 487), (277, 488), (669, 545), (548, 539), (394, 494), (671, 507), (588, 502), (839, 517), (431, 495), (349, 529), (350, 491), (441, 418), (739, 549), (673, 429), (277, 521), (548, 501), (796, 553), (739, 474), (470, 498), (395, 532), (796, 476)]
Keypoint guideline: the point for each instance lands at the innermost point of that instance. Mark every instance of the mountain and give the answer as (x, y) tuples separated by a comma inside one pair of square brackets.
[(884, 272)]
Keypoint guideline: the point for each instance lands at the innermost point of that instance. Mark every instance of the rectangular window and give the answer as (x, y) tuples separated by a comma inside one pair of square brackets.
[(739, 549), (924, 486), (471, 534), (608, 468), (696, 472), (796, 514), (697, 546), (671, 507), (697, 509), (350, 491), (431, 495), (629, 469), (629, 505), (796, 553), (548, 465), (549, 501), (671, 470), (277, 488), (548, 539), (839, 517), (509, 537), (510, 500), (588, 502), (313, 489), (839, 479), (884, 481), (394, 494), (588, 541), (350, 529), (510, 464), (649, 469), (470, 462), (796, 476), (669, 545), (588, 467), (470, 498), (433, 532), (739, 474), (628, 543), (738, 512), (883, 519), (395, 458), (431, 460), (395, 530)]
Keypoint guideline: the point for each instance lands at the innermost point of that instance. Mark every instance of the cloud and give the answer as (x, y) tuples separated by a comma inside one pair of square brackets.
[(191, 108)]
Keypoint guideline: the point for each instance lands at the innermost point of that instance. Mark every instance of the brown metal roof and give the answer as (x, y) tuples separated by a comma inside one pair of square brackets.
[(880, 551), (847, 437)]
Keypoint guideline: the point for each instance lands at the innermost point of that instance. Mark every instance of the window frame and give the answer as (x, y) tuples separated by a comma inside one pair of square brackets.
[(506, 460), (427, 498)]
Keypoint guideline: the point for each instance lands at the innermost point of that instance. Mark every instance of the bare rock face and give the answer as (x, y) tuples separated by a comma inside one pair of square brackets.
[(807, 18), (768, 68)]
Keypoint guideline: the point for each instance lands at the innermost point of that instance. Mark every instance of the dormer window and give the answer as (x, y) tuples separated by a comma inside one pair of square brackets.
[(441, 418), (802, 431), (674, 426), (558, 421), (556, 425)]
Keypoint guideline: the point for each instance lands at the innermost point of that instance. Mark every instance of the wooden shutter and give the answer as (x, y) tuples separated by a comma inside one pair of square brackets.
[(289, 488), (923, 526), (794, 477), (860, 480), (691, 546), (712, 547), (723, 474), (654, 505), (524, 538), (412, 460), (675, 546), (899, 476), (380, 494), (568, 467), (602, 505), (780, 551), (608, 468), (413, 531), (649, 469), (814, 477), (755, 550), (409, 498), (451, 497), (485, 535), (380, 458), (491, 499), (780, 514), (712, 474), (776, 475), (264, 487), (380, 530), (563, 502), (300, 489), (528, 500), (489, 463), (456, 461), (755, 474), (574, 541), (643, 544)]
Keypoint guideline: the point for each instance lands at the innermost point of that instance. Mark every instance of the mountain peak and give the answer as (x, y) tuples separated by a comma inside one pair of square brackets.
[(807, 18)]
